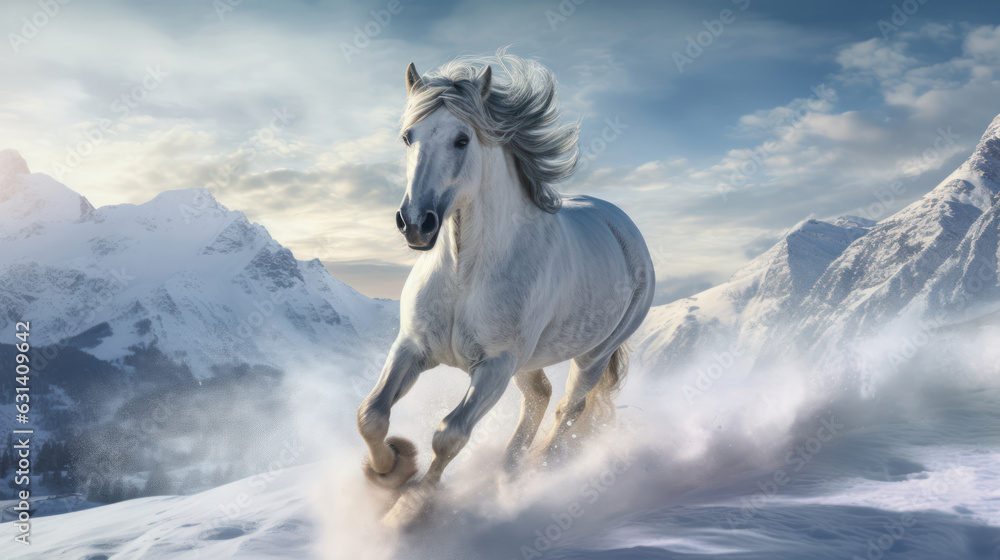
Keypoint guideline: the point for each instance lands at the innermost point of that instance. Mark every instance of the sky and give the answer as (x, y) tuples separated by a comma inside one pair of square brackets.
[(717, 125)]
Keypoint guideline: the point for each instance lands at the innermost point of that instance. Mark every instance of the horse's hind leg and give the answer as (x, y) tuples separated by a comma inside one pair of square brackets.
[(584, 374), (535, 392), (391, 461)]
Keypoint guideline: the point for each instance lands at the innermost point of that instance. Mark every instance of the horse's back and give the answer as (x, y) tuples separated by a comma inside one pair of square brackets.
[(592, 218), (611, 290)]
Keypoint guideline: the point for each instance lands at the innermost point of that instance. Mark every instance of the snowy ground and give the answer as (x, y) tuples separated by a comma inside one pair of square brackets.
[(768, 468)]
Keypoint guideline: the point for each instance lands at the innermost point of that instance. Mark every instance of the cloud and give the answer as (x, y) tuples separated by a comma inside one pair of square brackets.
[(983, 44), (813, 156), (876, 58), (328, 181)]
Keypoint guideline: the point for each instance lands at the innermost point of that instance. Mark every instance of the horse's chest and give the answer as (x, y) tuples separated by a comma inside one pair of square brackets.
[(474, 325), (472, 313)]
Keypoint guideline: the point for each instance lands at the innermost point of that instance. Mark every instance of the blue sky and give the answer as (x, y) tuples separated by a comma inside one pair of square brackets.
[(258, 102)]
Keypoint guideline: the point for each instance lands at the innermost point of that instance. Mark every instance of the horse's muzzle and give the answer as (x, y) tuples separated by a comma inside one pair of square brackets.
[(419, 235)]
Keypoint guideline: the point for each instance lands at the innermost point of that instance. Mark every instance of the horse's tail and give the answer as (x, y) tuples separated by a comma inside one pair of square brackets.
[(600, 405)]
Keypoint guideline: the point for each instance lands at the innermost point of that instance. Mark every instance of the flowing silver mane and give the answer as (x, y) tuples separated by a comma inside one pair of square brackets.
[(519, 112)]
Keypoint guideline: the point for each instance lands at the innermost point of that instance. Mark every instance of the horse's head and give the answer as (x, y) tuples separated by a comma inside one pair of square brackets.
[(444, 159), (457, 117)]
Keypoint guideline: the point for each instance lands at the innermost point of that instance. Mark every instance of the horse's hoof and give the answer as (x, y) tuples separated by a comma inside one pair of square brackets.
[(402, 471)]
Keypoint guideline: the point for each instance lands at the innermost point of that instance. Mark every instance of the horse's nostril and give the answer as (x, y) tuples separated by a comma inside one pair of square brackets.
[(430, 224), (400, 224)]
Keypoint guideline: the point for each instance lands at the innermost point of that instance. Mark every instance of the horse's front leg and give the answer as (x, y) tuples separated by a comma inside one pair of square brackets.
[(489, 381), (391, 461)]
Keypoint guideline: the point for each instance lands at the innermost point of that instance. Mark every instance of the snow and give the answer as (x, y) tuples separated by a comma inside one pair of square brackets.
[(244, 519), (666, 487), (837, 398)]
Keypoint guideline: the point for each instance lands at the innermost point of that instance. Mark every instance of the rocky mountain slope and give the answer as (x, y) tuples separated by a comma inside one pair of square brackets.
[(181, 272), (825, 286)]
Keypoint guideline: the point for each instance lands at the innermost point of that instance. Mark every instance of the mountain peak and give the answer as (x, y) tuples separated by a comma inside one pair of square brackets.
[(992, 131), (854, 222), (976, 182), (11, 164), (987, 154), (196, 198), (989, 145), (29, 199)]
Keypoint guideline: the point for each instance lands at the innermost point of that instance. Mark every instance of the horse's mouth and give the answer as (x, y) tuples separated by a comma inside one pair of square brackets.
[(427, 246)]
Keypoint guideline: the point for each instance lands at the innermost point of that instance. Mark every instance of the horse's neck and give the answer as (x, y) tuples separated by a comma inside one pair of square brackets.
[(484, 226)]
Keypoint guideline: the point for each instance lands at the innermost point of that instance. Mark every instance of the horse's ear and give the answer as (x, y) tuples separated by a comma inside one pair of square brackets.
[(413, 81), (484, 86)]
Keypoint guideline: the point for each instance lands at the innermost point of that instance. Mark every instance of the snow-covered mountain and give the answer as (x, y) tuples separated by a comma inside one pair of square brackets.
[(893, 270), (738, 314), (825, 285), (181, 272), (758, 467)]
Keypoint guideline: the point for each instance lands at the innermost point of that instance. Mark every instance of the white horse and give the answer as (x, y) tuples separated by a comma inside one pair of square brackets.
[(512, 277)]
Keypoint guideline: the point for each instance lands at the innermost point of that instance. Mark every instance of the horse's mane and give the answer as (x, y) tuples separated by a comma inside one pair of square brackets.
[(520, 113)]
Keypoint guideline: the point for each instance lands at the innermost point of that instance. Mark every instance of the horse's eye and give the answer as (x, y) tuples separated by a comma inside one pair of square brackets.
[(406, 137), (461, 142)]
